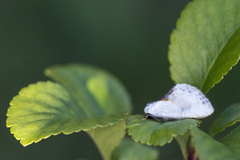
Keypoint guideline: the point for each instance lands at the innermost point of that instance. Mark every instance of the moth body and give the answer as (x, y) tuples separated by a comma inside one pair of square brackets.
[(181, 102)]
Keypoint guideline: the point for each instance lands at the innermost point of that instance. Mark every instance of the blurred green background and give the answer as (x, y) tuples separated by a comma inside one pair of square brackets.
[(127, 38)]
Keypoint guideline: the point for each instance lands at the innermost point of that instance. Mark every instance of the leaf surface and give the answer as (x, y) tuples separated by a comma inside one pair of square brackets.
[(182, 141), (232, 140), (227, 118), (89, 99), (130, 150), (208, 148), (47, 108), (101, 93), (205, 44), (152, 132), (108, 138)]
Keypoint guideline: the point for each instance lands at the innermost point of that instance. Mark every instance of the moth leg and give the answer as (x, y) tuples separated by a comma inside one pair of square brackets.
[(157, 119), (154, 118), (145, 118), (165, 119)]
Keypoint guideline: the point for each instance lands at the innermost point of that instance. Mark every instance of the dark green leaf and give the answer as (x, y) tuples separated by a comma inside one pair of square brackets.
[(155, 133), (208, 148), (130, 150), (232, 140), (227, 118), (182, 141), (205, 44)]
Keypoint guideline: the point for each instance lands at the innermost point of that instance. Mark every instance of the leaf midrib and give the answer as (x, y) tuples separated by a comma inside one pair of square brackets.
[(216, 57)]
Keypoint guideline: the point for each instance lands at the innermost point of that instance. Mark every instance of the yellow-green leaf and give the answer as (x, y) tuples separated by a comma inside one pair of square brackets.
[(101, 93), (88, 99)]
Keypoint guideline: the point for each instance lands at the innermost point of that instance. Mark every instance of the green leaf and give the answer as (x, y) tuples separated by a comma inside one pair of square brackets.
[(108, 138), (182, 141), (232, 140), (89, 99), (46, 108), (227, 118), (129, 150), (151, 132), (208, 148), (205, 44), (101, 93)]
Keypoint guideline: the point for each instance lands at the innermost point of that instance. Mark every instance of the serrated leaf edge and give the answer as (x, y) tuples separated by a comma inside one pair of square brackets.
[(100, 126), (223, 74), (223, 128), (172, 136)]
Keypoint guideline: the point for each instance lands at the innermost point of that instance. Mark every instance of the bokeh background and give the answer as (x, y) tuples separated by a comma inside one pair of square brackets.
[(127, 38)]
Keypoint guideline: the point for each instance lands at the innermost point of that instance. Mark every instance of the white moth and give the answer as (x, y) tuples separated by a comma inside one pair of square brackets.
[(182, 101)]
